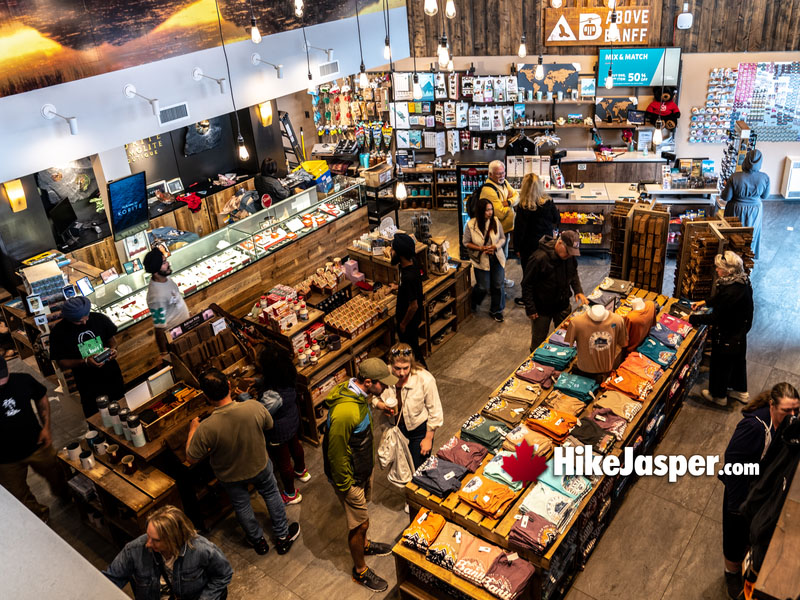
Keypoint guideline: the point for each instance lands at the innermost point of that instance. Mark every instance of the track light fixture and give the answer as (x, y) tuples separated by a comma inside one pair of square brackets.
[(255, 58), (198, 75), (328, 51), (130, 91), (49, 112)]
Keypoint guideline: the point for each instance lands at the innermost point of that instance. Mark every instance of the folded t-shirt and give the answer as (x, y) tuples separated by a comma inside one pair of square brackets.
[(487, 496), (533, 532), (655, 350), (439, 477), (423, 530), (638, 364), (558, 357), (444, 550), (505, 409), (475, 558), (579, 386), (552, 423), (549, 504), (494, 470), (518, 389), (606, 419), (621, 404), (628, 383), (484, 431), (534, 372), (462, 452), (666, 336), (677, 325), (587, 432), (564, 403), (574, 486), (540, 443), (508, 576), (557, 337)]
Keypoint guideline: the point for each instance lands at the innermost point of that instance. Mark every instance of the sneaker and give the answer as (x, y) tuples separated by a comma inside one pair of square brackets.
[(509, 283), (709, 398), (295, 498), (377, 549), (284, 544), (519, 301), (304, 476), (370, 580), (498, 317), (743, 397), (261, 547), (735, 585)]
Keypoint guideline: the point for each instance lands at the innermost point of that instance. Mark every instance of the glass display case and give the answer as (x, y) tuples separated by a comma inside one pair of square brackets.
[(228, 250)]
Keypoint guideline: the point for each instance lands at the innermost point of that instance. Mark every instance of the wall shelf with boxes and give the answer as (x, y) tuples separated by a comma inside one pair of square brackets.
[(446, 190)]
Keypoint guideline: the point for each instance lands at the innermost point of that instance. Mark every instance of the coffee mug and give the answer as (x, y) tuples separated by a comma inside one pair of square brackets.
[(560, 95), (539, 95), (74, 450), (127, 464), (335, 342), (87, 459), (112, 451), (90, 437), (100, 444), (549, 95)]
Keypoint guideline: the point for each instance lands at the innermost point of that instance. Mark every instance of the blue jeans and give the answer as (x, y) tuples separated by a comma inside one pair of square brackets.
[(490, 281), (265, 485)]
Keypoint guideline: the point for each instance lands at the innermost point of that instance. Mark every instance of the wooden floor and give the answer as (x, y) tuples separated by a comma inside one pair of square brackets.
[(665, 542)]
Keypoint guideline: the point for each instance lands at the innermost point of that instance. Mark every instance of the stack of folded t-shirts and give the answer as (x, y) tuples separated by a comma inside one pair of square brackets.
[(621, 404), (666, 336), (679, 326), (606, 419), (423, 530), (564, 403), (656, 351), (533, 372), (487, 432), (474, 558), (540, 443), (494, 470), (439, 477), (517, 389), (588, 433), (532, 532), (444, 550), (581, 387), (505, 409), (574, 486), (552, 423), (486, 496), (631, 384), (638, 364), (549, 504), (618, 286), (508, 576), (557, 338), (557, 357), (608, 299), (461, 452)]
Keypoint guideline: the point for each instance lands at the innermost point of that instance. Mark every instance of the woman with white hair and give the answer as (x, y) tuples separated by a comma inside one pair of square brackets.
[(730, 320)]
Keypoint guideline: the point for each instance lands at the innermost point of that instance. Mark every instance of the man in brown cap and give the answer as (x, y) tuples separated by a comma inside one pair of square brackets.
[(550, 273), (347, 452)]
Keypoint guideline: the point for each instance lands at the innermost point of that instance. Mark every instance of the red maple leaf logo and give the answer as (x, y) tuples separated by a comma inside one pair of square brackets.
[(525, 466)]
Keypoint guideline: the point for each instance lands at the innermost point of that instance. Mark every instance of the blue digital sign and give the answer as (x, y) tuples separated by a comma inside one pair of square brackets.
[(634, 67), (128, 201)]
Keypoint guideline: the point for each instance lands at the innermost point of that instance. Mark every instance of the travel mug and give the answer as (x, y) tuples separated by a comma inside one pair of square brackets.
[(123, 419), (136, 431), (539, 95), (113, 411), (560, 95), (74, 450), (102, 406), (87, 459)]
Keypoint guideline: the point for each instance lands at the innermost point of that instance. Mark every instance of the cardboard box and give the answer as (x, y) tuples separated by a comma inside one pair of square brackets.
[(377, 175)]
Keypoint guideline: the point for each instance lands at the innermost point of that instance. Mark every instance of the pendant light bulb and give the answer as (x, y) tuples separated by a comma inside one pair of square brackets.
[(609, 80), (255, 34), (298, 8), (363, 80), (431, 7), (443, 52), (555, 3), (243, 153), (523, 49), (539, 72), (612, 4), (400, 192), (387, 50), (658, 137), (416, 90), (450, 9), (450, 66), (613, 28)]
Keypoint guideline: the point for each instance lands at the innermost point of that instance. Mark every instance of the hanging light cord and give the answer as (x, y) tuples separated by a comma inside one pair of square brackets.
[(388, 33), (228, 69), (308, 60), (360, 49)]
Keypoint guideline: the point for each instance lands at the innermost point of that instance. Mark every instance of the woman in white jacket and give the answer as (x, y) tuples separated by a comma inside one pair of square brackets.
[(484, 238)]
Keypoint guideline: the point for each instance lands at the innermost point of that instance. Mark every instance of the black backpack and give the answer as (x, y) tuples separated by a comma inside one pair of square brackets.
[(472, 199)]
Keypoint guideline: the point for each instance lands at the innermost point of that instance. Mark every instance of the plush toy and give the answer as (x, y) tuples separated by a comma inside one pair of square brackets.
[(664, 107)]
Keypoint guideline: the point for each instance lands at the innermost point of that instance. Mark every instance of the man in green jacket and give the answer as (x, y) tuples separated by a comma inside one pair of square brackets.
[(347, 452)]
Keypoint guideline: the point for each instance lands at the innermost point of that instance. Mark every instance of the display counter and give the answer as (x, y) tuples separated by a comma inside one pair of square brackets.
[(566, 553), (580, 166)]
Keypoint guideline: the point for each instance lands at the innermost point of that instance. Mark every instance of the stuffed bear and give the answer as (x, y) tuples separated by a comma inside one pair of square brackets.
[(664, 107)]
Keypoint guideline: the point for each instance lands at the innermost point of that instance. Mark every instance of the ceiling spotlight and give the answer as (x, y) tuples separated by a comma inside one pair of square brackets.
[(197, 75), (255, 58), (49, 112), (130, 91), (450, 9), (431, 7)]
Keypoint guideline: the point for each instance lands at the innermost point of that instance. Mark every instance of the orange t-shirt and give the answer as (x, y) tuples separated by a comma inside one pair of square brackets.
[(638, 324)]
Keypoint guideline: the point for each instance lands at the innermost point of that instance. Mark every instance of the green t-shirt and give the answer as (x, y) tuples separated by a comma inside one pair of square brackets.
[(233, 437)]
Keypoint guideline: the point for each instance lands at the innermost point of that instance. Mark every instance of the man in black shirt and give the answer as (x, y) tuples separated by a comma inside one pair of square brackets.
[(76, 341), (409, 295), (24, 442)]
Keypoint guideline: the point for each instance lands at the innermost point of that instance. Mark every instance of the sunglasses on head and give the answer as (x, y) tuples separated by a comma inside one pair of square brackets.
[(400, 352)]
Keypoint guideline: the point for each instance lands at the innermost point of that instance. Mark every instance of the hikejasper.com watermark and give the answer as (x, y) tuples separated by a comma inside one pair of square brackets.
[(581, 460)]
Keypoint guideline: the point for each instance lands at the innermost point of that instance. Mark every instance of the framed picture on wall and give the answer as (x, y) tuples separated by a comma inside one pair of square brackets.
[(155, 187), (587, 87), (175, 186)]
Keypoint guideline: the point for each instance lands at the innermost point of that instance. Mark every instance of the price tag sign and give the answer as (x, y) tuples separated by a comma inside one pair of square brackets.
[(218, 325)]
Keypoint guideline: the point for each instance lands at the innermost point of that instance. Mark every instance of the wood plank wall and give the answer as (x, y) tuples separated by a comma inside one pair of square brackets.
[(494, 27)]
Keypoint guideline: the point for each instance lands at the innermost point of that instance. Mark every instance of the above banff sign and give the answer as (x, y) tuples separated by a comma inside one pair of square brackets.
[(590, 26)]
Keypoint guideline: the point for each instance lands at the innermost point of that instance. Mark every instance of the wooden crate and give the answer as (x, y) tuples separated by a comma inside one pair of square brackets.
[(191, 399)]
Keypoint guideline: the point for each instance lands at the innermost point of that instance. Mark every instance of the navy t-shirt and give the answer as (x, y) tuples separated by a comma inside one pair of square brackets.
[(19, 426)]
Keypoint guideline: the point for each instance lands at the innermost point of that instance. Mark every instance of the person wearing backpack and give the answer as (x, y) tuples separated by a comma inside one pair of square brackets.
[(504, 199), (484, 238)]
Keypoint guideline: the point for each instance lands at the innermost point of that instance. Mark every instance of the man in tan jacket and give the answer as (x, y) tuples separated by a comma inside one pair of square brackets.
[(503, 198)]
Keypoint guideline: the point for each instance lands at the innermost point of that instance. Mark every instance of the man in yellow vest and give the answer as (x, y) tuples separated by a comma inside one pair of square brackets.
[(503, 198)]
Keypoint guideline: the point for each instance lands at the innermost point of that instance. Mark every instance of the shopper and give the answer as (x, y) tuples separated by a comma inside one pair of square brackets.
[(415, 399), (744, 192), (171, 561), (24, 442), (410, 303), (551, 272), (537, 216), (164, 299), (749, 444), (267, 182), (730, 319), (484, 238), (503, 198), (347, 452), (233, 438), (78, 342), (279, 395)]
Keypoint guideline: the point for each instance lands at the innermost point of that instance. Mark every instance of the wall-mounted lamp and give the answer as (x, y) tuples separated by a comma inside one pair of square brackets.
[(130, 91), (328, 51), (16, 195), (197, 75), (264, 111), (49, 111), (255, 58)]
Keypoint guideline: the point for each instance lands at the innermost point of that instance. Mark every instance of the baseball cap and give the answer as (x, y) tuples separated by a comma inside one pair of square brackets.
[(376, 370), (572, 241)]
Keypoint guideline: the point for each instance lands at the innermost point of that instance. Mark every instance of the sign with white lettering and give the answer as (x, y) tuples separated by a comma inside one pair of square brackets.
[(591, 26)]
